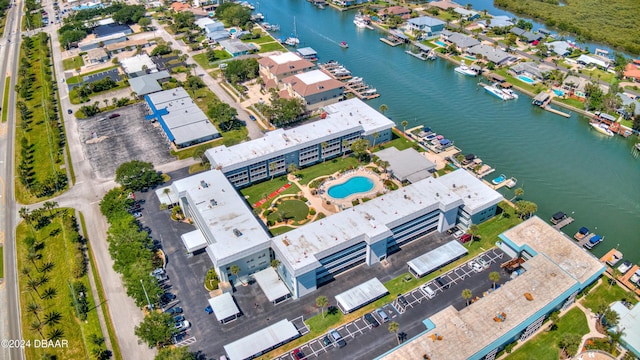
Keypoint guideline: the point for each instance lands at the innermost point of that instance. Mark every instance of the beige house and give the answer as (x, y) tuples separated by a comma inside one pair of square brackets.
[(274, 68)]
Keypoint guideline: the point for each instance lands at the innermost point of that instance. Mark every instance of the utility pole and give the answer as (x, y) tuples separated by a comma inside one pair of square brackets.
[(146, 295)]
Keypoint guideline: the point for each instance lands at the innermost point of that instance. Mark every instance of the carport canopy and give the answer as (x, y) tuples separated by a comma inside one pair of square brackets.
[(262, 341), (436, 258), (271, 284), (194, 241), (167, 198), (361, 295), (224, 308)]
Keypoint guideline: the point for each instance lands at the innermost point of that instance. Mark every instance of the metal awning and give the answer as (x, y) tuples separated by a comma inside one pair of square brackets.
[(262, 341), (361, 295), (224, 308), (271, 284), (436, 258), (194, 241)]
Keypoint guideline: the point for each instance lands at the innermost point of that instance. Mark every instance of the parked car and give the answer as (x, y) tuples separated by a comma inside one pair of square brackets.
[(69, 111), (161, 277), (465, 238), (335, 335), (402, 300), (458, 234), (158, 271), (179, 318), (483, 262), (383, 315), (174, 310), (114, 115), (137, 214), (326, 341), (182, 325), (298, 354), (444, 283), (428, 291), (208, 310), (168, 296), (475, 266), (371, 320), (252, 118)]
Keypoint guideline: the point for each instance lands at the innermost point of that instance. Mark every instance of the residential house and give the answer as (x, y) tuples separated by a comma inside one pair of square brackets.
[(632, 70), (428, 26), (274, 68), (403, 12), (630, 106), (497, 22), (236, 47), (109, 29), (525, 35), (138, 65), (96, 56), (531, 70), (315, 87), (349, 2), (444, 4), (179, 6), (468, 15), (491, 54), (560, 47), (599, 61), (461, 41), (575, 86)]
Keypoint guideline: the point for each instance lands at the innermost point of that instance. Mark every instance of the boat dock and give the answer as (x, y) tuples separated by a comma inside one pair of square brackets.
[(395, 38), (352, 85), (566, 221), (586, 239), (624, 279), (554, 111), (543, 100), (612, 257), (416, 55)]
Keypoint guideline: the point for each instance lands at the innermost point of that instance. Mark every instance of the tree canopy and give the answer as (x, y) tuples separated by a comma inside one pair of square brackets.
[(137, 175), (241, 70), (284, 111), (156, 329), (178, 353), (232, 14)]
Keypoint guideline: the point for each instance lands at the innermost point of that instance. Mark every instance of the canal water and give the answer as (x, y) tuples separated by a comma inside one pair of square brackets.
[(561, 163)]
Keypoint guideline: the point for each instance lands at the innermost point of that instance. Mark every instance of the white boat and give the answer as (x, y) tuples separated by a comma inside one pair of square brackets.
[(602, 128), (465, 70), (511, 183), (355, 79), (370, 91), (491, 89), (512, 94), (360, 23), (625, 266), (293, 39)]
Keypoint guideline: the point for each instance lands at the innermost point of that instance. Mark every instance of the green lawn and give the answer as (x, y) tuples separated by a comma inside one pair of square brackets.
[(400, 143), (273, 46), (295, 210), (623, 122), (256, 192), (73, 63), (280, 230), (1, 262), (261, 40), (78, 78), (536, 88), (597, 74), (5, 100), (605, 294), (544, 345), (571, 102), (326, 168), (75, 99), (56, 243)]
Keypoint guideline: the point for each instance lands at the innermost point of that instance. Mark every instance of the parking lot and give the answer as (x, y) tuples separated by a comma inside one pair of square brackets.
[(108, 142)]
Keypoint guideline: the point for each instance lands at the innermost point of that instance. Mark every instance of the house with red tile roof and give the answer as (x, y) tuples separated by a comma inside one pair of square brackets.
[(315, 87), (403, 12), (274, 68), (632, 70), (179, 6)]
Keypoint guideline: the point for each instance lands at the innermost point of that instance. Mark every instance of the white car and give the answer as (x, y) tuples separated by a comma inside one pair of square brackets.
[(475, 266), (458, 234), (183, 325), (428, 292), (483, 262)]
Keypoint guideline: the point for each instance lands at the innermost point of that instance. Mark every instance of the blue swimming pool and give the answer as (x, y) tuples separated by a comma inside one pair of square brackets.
[(440, 43), (526, 79), (355, 185), (558, 92), (232, 31)]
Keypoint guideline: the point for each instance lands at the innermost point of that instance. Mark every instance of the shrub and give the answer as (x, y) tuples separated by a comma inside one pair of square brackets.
[(312, 211), (79, 265), (211, 280), (303, 199), (266, 213)]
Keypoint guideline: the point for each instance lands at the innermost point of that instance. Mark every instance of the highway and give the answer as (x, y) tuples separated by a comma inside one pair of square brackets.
[(9, 57)]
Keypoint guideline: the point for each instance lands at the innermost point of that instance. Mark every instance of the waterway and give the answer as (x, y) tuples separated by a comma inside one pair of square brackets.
[(560, 163)]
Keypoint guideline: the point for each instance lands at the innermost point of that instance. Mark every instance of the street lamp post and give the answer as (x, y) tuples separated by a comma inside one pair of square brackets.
[(146, 295)]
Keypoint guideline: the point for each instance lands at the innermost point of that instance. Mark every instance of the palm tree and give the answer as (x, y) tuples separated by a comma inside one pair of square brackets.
[(114, 101), (52, 318), (36, 325), (324, 145), (275, 263), (615, 273), (25, 214), (517, 193), (393, 328), (375, 136), (466, 295), (494, 276), (404, 124), (292, 168), (46, 267), (106, 102), (166, 191), (34, 308), (32, 285), (26, 272), (383, 108), (49, 293), (614, 339), (50, 205), (33, 256), (473, 230), (272, 169), (321, 301), (55, 334), (610, 318), (235, 270)]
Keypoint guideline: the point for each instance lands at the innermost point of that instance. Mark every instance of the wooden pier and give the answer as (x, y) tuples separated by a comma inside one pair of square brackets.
[(352, 85), (586, 239), (624, 279), (554, 111), (563, 223), (391, 42), (612, 257)]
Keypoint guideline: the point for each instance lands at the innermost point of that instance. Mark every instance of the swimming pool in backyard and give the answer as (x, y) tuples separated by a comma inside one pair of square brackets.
[(440, 43), (355, 185), (526, 79)]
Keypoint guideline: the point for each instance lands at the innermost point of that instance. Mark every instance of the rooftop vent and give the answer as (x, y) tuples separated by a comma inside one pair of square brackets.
[(204, 184), (213, 202), (237, 232)]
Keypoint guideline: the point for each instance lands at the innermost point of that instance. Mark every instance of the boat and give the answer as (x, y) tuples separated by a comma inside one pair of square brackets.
[(512, 94), (293, 39), (370, 91), (637, 146), (344, 45), (613, 257), (493, 90), (602, 128), (499, 180), (625, 266), (558, 217), (465, 70), (581, 233), (593, 242), (511, 183), (320, 6), (355, 80)]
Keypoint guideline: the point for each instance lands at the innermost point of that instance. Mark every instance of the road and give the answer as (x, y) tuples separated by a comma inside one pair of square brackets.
[(255, 131), (10, 51)]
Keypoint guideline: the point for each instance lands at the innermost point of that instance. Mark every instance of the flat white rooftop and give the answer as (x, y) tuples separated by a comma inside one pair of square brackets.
[(136, 63), (285, 57), (361, 295), (313, 76), (262, 340), (224, 307), (476, 195), (229, 225), (271, 284), (194, 240), (442, 255), (304, 246), (351, 116)]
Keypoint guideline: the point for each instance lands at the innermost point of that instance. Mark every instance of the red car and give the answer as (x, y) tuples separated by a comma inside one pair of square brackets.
[(465, 238), (298, 354), (113, 116)]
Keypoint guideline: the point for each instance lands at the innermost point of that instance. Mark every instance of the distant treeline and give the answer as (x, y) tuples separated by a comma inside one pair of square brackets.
[(613, 22)]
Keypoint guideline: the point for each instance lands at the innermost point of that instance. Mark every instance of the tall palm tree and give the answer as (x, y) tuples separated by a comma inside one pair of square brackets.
[(473, 230), (393, 328), (375, 136), (32, 285), (494, 276), (50, 205), (383, 108), (46, 267), (34, 308), (404, 124), (52, 318), (36, 325), (235, 270), (517, 193), (615, 273), (466, 295), (55, 334), (321, 302), (33, 256), (614, 339), (272, 169), (166, 191), (49, 293)]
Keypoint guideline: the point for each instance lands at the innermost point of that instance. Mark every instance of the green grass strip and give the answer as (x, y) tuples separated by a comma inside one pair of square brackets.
[(1, 262), (5, 100), (101, 295)]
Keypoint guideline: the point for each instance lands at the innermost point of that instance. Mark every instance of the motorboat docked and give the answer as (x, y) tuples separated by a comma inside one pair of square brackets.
[(465, 70), (355, 80), (360, 21), (510, 92), (558, 217), (581, 233), (511, 183), (293, 40), (614, 257), (602, 128), (499, 180), (271, 27), (625, 266), (344, 44), (495, 91), (593, 242)]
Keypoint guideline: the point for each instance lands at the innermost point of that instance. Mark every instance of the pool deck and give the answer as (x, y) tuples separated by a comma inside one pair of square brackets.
[(338, 178)]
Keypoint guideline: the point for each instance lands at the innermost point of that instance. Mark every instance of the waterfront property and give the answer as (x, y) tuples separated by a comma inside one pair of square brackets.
[(271, 155), (274, 68), (560, 47), (314, 87), (555, 270), (235, 47), (427, 26), (629, 326), (462, 42), (529, 70), (491, 54), (181, 119), (407, 165)]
